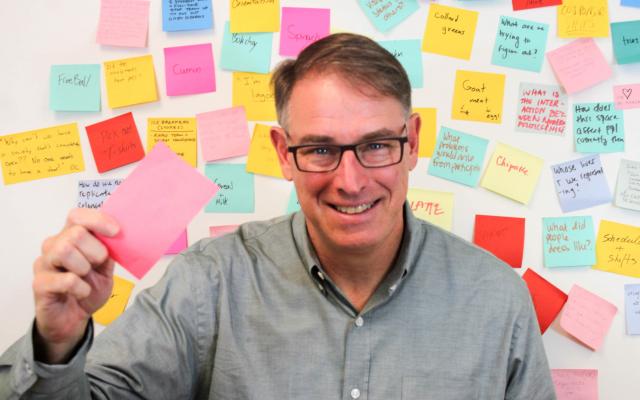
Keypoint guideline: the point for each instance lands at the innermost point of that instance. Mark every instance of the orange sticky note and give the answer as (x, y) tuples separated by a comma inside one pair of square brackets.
[(587, 317)]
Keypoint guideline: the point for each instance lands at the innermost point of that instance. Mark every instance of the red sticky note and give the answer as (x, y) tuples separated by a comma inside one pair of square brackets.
[(153, 205), (502, 236), (548, 300), (179, 245), (115, 142), (189, 69), (527, 4)]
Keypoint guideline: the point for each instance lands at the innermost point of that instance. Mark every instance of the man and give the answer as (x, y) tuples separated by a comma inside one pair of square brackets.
[(353, 298)]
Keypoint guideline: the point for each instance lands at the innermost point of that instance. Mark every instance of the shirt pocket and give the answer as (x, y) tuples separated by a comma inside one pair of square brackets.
[(439, 387)]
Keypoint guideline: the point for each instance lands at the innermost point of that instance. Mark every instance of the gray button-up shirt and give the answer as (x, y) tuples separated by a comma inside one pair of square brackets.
[(251, 315)]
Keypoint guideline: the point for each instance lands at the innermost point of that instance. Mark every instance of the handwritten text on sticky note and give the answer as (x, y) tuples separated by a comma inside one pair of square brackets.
[(581, 183), (123, 23), (223, 133), (520, 44), (598, 128), (177, 133), (502, 236), (618, 248), (579, 65), (262, 158), (432, 206), (568, 241), (92, 193), (254, 16), (248, 52), (587, 317), (385, 15), (236, 194), (185, 15), (253, 91), (450, 31), (583, 18), (628, 185), (189, 69), (115, 142), (458, 157), (302, 26), (75, 87), (541, 109), (130, 81), (478, 96), (575, 384), (626, 96)]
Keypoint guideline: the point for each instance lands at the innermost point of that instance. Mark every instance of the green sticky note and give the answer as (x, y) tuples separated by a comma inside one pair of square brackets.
[(520, 44), (458, 157), (74, 87), (626, 41), (294, 204), (247, 52), (236, 194), (409, 54), (598, 128), (568, 241)]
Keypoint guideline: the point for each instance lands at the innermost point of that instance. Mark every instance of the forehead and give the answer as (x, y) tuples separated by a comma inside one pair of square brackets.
[(329, 105)]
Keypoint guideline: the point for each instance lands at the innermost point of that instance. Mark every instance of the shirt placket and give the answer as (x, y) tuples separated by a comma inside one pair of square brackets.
[(357, 359)]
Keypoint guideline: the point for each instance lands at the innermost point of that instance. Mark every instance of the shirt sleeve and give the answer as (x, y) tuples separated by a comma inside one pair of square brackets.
[(528, 375), (159, 349)]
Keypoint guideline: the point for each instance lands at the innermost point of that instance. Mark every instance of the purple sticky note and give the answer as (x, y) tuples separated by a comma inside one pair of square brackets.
[(301, 27), (223, 133), (189, 69), (579, 65), (153, 206)]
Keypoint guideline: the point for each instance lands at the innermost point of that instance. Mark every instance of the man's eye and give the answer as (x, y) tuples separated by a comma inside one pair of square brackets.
[(316, 151), (376, 146)]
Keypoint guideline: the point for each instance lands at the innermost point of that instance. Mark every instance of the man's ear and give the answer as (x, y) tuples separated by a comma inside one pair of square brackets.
[(279, 141), (413, 133)]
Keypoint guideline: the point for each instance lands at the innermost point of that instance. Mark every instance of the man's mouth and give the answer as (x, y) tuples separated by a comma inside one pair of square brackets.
[(360, 208)]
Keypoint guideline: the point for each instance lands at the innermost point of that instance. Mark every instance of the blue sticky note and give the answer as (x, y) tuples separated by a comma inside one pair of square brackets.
[(409, 53), (598, 128), (294, 204), (92, 193), (247, 52), (75, 87), (625, 37), (186, 15), (632, 308), (236, 194), (581, 183), (458, 157), (630, 3), (568, 241), (520, 44), (386, 14)]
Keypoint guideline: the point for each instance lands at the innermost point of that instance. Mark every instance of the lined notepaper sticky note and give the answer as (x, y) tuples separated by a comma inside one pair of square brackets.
[(223, 133), (587, 317), (579, 65), (123, 23)]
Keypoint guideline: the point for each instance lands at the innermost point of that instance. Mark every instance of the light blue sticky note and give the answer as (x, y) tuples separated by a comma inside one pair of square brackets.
[(409, 53), (293, 205), (625, 37), (568, 241), (630, 3), (236, 194), (74, 87), (632, 308), (386, 14), (458, 156), (581, 183), (598, 128), (92, 193), (247, 52), (186, 15), (520, 44)]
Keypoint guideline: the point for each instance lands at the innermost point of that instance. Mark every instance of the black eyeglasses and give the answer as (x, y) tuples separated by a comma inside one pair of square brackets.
[(374, 153)]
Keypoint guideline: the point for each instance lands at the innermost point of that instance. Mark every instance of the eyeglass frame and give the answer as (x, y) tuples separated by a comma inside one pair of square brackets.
[(352, 147)]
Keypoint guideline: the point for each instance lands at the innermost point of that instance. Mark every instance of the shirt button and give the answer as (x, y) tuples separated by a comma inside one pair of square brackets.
[(355, 393), (27, 368), (392, 289), (359, 322)]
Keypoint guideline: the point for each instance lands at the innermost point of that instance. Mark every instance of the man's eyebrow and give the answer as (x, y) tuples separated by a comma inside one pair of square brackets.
[(326, 139)]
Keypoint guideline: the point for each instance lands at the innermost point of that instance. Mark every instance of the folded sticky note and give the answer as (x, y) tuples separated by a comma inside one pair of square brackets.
[(179, 134), (581, 183), (301, 27), (598, 128), (568, 241), (186, 15), (391, 13), (458, 156), (547, 299), (75, 87), (618, 248), (587, 317), (262, 158), (541, 109), (153, 206), (450, 31), (130, 81), (628, 185), (432, 206), (123, 23), (236, 194), (248, 52), (575, 384), (223, 133), (579, 65), (117, 302), (520, 44), (477, 96), (189, 69), (115, 142), (626, 41)]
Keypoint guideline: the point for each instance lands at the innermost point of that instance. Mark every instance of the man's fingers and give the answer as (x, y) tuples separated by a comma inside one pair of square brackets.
[(75, 249), (94, 220), (50, 283)]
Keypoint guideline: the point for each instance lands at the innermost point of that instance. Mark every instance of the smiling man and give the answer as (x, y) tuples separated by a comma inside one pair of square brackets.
[(351, 298)]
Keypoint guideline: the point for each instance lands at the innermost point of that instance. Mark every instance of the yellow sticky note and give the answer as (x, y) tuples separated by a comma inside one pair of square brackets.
[(618, 248), (254, 16), (450, 31), (253, 91), (512, 173), (477, 96), (427, 131), (583, 18), (177, 133), (117, 302), (130, 81), (432, 206), (41, 153), (262, 158)]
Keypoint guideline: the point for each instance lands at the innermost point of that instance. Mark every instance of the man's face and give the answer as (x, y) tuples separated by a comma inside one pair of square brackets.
[(352, 208)]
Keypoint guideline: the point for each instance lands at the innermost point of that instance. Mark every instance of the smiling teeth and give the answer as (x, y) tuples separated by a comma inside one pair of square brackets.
[(355, 210)]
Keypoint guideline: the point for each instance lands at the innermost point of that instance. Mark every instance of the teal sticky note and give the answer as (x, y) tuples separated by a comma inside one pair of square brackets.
[(384, 15), (598, 128), (247, 52), (409, 54), (520, 44), (568, 241), (458, 157), (74, 87), (293, 204), (236, 194), (626, 41)]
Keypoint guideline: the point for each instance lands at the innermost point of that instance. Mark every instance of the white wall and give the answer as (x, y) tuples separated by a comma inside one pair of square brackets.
[(37, 34)]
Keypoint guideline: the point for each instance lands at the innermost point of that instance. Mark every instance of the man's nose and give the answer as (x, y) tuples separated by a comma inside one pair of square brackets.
[(350, 176)]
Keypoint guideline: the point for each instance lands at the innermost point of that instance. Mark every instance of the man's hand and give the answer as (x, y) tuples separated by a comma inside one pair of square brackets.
[(72, 279)]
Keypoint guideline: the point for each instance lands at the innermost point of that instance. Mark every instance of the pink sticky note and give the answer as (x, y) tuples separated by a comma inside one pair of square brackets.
[(587, 317), (179, 244), (153, 205), (223, 133), (301, 27), (579, 65), (575, 384), (626, 96), (216, 231), (189, 69), (123, 23)]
